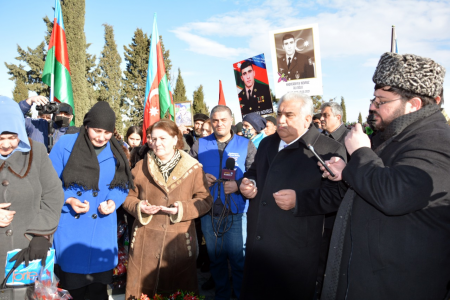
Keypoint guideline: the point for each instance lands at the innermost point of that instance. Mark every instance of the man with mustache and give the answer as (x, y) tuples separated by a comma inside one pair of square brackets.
[(283, 247), (390, 238)]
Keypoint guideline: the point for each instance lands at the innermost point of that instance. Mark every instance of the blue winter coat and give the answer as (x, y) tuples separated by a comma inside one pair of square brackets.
[(87, 243)]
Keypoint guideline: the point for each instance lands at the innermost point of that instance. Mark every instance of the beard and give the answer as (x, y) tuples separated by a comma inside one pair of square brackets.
[(382, 124)]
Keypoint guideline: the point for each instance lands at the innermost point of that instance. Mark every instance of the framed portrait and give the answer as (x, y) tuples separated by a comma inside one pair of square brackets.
[(252, 84), (184, 114), (296, 60)]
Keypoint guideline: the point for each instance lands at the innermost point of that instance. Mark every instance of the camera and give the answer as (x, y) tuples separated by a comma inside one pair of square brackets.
[(49, 108)]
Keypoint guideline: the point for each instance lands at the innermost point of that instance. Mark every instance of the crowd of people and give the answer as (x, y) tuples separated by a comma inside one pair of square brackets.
[(370, 222)]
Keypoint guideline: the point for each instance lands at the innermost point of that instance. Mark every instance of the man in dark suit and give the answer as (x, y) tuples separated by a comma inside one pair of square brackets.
[(283, 249), (392, 231), (255, 96), (294, 65)]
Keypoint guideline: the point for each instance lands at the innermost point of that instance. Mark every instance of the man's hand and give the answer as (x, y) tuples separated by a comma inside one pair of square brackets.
[(6, 216), (148, 208), (285, 199), (247, 188), (78, 206), (107, 208), (39, 100), (336, 165), (210, 178), (356, 139), (230, 187)]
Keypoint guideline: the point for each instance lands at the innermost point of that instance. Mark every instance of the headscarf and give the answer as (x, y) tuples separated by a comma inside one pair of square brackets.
[(82, 168), (12, 121)]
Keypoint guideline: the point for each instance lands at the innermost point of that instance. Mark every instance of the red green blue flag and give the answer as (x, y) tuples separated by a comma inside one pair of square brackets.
[(56, 72), (157, 96)]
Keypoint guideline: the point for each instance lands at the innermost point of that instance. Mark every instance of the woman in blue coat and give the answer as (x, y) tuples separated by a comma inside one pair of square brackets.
[(96, 176)]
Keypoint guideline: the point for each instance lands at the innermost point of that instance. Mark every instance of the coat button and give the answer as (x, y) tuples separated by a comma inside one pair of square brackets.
[(94, 216), (95, 194), (165, 198), (163, 226), (79, 193), (264, 203), (77, 216), (9, 232), (258, 238), (5, 182)]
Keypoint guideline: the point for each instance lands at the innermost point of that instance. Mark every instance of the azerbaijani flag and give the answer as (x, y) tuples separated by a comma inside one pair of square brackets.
[(172, 105), (259, 66), (56, 72), (158, 99)]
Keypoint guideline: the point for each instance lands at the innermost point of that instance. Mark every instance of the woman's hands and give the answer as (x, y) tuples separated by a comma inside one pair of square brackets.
[(78, 206), (107, 207), (6, 216), (153, 209)]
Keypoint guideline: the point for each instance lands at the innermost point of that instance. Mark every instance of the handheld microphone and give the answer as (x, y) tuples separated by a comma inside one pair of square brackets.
[(320, 159), (229, 173)]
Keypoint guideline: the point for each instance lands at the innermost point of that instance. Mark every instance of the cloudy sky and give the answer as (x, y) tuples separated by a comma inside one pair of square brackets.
[(206, 37)]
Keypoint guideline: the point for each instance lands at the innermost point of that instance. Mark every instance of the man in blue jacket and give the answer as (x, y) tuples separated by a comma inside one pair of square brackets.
[(37, 129), (225, 227)]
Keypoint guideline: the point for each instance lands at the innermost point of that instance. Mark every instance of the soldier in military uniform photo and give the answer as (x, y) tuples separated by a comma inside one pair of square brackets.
[(293, 64), (255, 97)]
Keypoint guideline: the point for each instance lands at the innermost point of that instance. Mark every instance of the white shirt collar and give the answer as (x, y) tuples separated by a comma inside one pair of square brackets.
[(291, 56), (284, 145)]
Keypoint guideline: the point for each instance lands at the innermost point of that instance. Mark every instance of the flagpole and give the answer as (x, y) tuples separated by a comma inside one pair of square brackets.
[(393, 39), (52, 92)]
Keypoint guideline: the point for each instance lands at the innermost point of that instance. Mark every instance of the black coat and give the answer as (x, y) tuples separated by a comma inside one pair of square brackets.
[(260, 100), (282, 251), (397, 239)]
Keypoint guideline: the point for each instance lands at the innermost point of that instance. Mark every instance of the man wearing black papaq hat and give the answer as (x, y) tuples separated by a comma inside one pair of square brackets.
[(37, 129), (392, 230)]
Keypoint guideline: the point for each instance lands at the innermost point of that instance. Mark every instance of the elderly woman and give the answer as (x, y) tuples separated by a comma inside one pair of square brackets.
[(253, 126), (96, 177), (30, 190), (171, 191)]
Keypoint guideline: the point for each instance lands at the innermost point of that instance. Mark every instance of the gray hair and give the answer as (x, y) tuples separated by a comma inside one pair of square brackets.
[(220, 108), (307, 106), (336, 109)]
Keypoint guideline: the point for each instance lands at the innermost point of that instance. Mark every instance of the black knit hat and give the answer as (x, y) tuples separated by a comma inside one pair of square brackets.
[(64, 107), (258, 122), (200, 117), (100, 116), (272, 119)]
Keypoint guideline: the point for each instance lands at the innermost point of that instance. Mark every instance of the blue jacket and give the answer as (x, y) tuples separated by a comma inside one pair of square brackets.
[(37, 129), (87, 243), (209, 157)]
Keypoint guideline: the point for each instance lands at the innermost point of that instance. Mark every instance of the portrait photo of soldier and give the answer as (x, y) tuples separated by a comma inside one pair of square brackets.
[(183, 114), (255, 96), (295, 54)]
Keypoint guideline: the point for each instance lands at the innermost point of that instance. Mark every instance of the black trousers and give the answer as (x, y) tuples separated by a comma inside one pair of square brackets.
[(94, 291)]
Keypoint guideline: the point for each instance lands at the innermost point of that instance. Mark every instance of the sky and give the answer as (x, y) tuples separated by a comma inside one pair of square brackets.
[(205, 38)]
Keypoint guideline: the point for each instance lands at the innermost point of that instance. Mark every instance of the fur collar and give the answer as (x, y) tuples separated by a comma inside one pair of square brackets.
[(182, 170)]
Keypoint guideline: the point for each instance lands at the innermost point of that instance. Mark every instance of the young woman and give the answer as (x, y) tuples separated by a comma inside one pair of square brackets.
[(133, 137), (96, 177)]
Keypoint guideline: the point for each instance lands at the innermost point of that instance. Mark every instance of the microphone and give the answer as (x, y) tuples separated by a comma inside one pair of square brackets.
[(229, 173)]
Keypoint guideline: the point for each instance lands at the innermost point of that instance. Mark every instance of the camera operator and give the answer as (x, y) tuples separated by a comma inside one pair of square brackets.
[(37, 129)]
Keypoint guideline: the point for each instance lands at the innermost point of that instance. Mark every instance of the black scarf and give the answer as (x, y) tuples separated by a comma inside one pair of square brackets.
[(83, 169)]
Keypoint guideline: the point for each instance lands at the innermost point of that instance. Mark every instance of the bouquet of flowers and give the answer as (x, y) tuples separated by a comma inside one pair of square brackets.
[(180, 295)]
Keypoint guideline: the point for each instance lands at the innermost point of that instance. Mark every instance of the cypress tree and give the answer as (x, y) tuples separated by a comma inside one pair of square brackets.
[(73, 16), (34, 60), (20, 91), (317, 103), (360, 118), (166, 54), (111, 76), (344, 114), (179, 93), (92, 77), (199, 104), (136, 57)]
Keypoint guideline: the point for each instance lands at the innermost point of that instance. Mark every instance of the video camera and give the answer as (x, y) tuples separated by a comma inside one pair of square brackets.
[(49, 108)]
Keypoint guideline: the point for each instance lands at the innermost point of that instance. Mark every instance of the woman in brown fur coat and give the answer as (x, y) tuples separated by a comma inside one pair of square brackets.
[(171, 191)]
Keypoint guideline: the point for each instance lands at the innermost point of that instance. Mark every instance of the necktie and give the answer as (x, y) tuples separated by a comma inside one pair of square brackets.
[(249, 94), (289, 62)]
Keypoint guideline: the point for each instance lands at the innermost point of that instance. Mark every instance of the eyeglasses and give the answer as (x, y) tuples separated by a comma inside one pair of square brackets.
[(378, 104)]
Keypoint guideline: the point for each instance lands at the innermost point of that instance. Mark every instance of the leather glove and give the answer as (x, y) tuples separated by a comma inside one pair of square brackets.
[(37, 249)]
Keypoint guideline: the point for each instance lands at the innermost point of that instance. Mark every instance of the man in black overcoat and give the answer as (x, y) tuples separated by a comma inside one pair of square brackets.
[(392, 231), (282, 253)]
